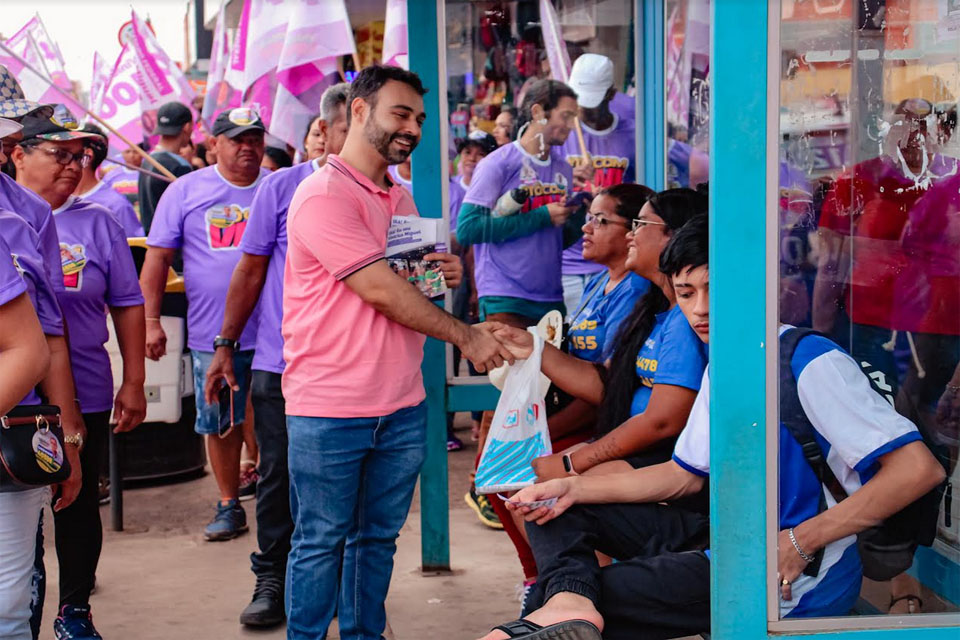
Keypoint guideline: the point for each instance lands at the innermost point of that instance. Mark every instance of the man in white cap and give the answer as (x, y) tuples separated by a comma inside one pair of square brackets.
[(609, 138)]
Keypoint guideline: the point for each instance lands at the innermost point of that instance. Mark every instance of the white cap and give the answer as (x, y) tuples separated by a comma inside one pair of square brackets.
[(591, 77), (8, 127)]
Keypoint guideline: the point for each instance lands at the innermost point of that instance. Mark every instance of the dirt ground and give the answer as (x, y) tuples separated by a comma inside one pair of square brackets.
[(158, 579)]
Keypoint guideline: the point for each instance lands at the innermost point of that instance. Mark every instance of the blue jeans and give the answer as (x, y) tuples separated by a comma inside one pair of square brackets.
[(348, 476)]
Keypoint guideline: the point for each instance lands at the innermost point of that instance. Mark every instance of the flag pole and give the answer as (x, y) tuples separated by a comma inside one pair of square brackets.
[(146, 156), (138, 169)]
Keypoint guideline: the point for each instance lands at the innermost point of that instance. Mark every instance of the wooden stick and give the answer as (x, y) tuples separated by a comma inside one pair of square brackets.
[(139, 169), (103, 123)]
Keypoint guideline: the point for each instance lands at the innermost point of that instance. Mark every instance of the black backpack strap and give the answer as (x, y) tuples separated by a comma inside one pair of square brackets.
[(794, 418)]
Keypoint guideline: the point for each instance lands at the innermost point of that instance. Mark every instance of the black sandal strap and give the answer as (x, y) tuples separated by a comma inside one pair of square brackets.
[(518, 628), (909, 596)]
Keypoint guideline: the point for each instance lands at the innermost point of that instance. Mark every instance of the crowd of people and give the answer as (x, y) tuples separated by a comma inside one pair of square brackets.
[(294, 314)]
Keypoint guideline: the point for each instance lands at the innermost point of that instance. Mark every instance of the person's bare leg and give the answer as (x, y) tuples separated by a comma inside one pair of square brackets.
[(225, 461), (559, 608)]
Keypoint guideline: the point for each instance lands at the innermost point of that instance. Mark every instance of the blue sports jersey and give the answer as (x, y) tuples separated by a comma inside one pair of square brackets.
[(596, 320), (854, 426), (672, 354)]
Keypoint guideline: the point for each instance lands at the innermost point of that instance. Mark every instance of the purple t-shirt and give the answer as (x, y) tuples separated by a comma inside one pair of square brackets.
[(527, 267), (457, 191), (36, 212), (625, 107), (614, 160), (12, 285), (266, 235), (125, 182), (98, 272), (206, 216), (119, 206), (24, 247), (395, 176)]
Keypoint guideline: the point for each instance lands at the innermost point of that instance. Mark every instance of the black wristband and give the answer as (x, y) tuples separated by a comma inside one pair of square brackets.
[(225, 342)]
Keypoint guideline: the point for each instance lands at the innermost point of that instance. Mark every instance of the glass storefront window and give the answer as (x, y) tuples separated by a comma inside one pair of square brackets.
[(687, 91), (869, 220), (494, 52)]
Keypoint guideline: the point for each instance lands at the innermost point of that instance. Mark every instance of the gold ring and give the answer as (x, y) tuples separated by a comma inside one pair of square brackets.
[(785, 582)]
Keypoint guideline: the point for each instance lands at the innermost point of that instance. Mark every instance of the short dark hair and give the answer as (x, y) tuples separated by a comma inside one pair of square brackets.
[(279, 156), (371, 79), (688, 248), (547, 94), (630, 198), (97, 145)]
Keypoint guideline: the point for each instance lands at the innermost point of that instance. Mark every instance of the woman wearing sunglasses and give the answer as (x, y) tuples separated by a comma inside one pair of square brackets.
[(98, 273)]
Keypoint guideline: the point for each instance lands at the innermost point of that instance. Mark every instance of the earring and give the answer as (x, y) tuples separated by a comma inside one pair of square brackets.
[(542, 121)]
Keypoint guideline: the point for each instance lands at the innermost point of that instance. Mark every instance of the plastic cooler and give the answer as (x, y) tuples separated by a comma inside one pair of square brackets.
[(168, 380)]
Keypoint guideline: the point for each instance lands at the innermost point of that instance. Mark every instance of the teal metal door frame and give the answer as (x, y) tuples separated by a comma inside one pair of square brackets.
[(430, 177), (744, 162)]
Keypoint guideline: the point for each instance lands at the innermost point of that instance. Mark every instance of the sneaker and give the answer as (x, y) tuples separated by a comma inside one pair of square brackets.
[(248, 483), (454, 443), (103, 487), (523, 592), (266, 606), (482, 507), (230, 522), (75, 623)]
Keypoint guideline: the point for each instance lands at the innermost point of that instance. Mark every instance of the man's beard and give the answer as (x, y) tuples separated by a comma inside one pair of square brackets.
[(381, 139)]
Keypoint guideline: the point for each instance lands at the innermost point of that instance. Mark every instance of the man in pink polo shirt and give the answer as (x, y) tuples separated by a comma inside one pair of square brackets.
[(353, 344)]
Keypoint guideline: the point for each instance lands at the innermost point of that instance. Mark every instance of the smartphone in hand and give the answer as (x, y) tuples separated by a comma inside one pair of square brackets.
[(225, 400)]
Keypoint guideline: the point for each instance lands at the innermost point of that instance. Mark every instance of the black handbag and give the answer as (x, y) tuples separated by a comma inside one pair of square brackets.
[(32, 450)]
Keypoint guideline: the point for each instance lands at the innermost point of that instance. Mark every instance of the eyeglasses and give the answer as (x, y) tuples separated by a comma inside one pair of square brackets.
[(597, 221), (65, 158), (636, 223)]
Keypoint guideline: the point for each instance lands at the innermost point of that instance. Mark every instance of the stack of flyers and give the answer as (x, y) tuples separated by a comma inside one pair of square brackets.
[(409, 239)]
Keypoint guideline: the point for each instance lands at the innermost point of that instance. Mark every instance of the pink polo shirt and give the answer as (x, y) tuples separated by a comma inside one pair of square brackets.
[(344, 358)]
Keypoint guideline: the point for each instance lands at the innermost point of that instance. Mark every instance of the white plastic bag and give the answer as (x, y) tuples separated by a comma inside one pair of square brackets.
[(518, 433)]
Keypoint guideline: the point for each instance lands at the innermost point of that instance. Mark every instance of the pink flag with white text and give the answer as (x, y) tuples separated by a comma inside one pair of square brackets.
[(29, 71), (395, 35), (120, 100), (98, 81), (220, 95), (553, 42), (163, 81), (52, 59)]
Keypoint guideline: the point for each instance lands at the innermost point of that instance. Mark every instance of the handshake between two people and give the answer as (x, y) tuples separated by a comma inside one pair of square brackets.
[(489, 344)]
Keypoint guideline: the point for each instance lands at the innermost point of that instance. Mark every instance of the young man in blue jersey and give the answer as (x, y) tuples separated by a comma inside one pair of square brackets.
[(660, 586)]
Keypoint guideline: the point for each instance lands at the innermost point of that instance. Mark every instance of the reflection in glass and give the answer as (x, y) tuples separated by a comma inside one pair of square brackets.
[(869, 219), (687, 92)]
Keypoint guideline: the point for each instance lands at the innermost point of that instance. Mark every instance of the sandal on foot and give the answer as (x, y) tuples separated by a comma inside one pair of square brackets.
[(568, 630), (911, 607)]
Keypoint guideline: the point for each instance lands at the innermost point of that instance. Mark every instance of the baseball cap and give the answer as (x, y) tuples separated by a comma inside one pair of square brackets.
[(171, 117), (480, 139), (591, 77), (59, 127), (236, 121), (8, 127), (13, 104)]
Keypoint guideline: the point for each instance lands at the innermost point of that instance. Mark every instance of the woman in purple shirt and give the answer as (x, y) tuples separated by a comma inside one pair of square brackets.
[(24, 359), (98, 273)]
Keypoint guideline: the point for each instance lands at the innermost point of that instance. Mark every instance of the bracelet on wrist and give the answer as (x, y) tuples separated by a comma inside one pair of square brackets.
[(152, 318), (796, 545), (953, 387)]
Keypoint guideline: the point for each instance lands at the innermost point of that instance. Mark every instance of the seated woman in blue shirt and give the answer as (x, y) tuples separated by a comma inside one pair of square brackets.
[(646, 390), (607, 298)]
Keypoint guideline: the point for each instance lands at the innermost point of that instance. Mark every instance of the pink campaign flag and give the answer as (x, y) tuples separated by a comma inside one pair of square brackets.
[(553, 42), (303, 50), (98, 81), (163, 81), (220, 95), (120, 100), (395, 35), (31, 74), (53, 64)]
